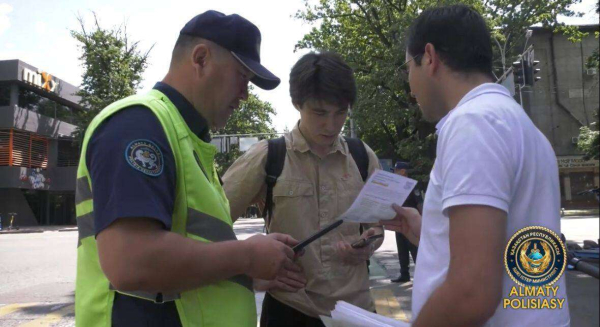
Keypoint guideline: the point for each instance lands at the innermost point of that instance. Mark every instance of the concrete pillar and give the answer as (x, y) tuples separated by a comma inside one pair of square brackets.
[(14, 95), (567, 183), (52, 153)]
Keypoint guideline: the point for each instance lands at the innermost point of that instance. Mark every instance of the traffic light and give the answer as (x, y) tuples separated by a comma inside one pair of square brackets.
[(530, 72), (529, 68), (519, 71)]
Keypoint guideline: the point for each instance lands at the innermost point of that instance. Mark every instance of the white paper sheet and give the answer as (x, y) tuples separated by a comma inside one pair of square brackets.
[(348, 315), (374, 203)]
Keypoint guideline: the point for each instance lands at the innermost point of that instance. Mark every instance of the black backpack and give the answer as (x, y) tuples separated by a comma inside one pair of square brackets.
[(276, 160)]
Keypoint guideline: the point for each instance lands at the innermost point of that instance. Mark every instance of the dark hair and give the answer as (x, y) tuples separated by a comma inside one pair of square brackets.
[(459, 35), (323, 77)]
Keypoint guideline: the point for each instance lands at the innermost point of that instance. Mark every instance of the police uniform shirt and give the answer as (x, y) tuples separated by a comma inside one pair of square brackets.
[(123, 189)]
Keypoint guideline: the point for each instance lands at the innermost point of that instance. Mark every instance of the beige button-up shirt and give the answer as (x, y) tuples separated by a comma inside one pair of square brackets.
[(310, 194)]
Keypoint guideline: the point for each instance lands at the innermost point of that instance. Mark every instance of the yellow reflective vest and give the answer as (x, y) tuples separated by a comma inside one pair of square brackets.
[(201, 212)]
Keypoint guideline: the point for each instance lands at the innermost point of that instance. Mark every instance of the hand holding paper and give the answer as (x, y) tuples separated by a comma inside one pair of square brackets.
[(374, 203), (407, 221)]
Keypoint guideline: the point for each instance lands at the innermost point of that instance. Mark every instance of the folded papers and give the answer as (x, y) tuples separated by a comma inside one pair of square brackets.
[(347, 315)]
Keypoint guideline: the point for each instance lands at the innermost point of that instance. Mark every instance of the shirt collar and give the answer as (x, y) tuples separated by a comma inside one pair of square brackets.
[(196, 123), (300, 144), (482, 89)]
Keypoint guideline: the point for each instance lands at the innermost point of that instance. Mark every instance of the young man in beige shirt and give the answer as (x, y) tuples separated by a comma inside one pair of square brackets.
[(319, 181)]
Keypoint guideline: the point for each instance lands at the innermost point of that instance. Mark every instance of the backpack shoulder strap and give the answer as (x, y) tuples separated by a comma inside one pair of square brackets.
[(359, 154), (275, 160), (361, 158)]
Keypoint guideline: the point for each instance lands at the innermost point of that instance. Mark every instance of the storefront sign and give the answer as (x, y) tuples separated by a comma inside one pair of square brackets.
[(40, 79), (576, 162)]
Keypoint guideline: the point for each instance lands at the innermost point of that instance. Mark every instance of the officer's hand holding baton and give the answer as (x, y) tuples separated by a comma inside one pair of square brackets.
[(270, 256)]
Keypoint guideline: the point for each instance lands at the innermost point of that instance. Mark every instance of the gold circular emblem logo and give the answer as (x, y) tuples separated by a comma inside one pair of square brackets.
[(535, 256)]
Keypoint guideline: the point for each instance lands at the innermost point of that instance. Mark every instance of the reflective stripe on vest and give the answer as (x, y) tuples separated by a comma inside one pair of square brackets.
[(83, 191), (208, 227), (85, 226), (199, 224)]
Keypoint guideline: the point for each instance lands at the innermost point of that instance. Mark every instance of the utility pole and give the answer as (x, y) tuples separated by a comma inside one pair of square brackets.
[(352, 130), (528, 78), (520, 78)]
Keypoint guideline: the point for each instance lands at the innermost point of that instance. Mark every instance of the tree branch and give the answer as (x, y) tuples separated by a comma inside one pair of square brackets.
[(375, 27), (390, 135)]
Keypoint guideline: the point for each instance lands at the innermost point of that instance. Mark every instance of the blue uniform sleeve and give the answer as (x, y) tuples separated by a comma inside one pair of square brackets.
[(132, 169)]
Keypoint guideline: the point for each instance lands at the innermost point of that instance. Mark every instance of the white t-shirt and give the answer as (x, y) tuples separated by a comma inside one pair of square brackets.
[(489, 153)]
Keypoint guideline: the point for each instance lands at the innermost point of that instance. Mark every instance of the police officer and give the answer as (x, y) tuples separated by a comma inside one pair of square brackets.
[(156, 245)]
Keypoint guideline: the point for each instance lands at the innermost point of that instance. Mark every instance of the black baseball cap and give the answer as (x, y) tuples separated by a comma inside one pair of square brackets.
[(401, 165), (238, 35)]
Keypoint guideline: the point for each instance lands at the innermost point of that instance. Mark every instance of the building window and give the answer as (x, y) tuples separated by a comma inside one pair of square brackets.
[(4, 95), (51, 208), (581, 182), (68, 154), (5, 149), (23, 149), (44, 106), (61, 208)]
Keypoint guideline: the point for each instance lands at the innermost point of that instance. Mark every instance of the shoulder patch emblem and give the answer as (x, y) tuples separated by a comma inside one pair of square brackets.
[(145, 156)]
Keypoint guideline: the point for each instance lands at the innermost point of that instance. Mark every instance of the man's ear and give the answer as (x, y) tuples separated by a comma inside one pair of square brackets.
[(297, 106), (200, 57), (431, 59)]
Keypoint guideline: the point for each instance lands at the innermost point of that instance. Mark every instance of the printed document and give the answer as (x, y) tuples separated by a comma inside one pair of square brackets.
[(374, 203), (348, 315)]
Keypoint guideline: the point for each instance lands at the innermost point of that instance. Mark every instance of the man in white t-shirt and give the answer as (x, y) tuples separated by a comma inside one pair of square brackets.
[(494, 174)]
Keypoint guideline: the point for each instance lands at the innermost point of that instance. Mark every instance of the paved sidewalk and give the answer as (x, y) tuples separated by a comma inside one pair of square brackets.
[(386, 258)]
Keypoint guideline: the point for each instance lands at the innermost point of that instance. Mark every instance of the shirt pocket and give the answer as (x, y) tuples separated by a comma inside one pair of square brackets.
[(293, 203)]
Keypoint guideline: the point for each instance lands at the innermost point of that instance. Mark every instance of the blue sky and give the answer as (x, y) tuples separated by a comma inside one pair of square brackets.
[(37, 32)]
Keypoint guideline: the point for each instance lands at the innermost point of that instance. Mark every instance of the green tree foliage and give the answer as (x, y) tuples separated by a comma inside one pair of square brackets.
[(370, 35), (594, 60), (589, 141), (253, 117), (113, 69), (589, 136)]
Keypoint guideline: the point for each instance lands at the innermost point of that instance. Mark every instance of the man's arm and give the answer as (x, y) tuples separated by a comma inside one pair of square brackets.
[(473, 287), (137, 254), (244, 181)]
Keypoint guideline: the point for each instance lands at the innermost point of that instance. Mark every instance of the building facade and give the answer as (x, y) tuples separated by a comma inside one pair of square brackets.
[(565, 99), (38, 158)]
